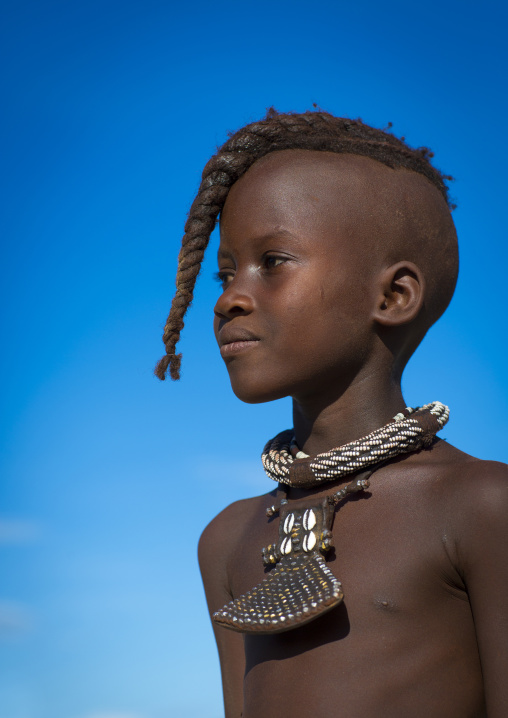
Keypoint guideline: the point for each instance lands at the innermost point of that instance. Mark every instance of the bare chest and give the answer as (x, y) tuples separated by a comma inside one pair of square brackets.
[(403, 617), (389, 557)]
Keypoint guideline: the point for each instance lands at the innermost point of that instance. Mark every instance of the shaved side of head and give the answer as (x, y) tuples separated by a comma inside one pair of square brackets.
[(387, 215)]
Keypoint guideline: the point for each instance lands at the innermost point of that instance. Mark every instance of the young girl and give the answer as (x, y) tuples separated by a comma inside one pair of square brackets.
[(372, 581)]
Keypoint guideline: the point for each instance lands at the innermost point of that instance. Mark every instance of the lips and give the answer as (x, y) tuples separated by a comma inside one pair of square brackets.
[(233, 340)]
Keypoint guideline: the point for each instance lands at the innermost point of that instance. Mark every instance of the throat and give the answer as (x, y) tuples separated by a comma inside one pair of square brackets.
[(364, 406)]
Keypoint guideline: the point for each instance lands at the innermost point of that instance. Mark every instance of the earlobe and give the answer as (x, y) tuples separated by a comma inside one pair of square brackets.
[(401, 295)]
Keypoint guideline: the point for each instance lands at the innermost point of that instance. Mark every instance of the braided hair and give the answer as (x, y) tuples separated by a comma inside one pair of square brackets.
[(311, 130)]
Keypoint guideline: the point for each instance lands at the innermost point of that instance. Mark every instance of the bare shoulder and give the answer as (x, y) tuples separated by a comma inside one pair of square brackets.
[(477, 511), (474, 493), (466, 497), (230, 522), (472, 480), (224, 533), (482, 495), (486, 480)]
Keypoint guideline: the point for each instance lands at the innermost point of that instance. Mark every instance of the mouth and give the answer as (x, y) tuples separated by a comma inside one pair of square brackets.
[(234, 341), (227, 350)]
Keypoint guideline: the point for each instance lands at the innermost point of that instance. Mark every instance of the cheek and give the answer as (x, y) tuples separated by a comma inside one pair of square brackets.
[(335, 327)]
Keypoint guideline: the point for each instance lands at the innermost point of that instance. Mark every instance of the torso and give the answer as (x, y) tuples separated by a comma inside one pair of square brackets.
[(402, 643)]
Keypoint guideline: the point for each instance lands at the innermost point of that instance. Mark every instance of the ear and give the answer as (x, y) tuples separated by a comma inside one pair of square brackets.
[(401, 294)]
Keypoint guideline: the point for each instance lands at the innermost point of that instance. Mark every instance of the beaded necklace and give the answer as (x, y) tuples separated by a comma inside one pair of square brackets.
[(301, 587)]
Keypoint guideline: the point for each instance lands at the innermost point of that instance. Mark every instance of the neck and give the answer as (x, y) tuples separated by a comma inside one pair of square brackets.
[(321, 424)]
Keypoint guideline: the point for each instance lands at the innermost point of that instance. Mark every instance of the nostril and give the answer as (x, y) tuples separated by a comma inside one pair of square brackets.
[(225, 312), (234, 310), (237, 309), (232, 305)]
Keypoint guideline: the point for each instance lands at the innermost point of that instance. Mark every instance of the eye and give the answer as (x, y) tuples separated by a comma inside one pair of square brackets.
[(272, 261), (223, 278)]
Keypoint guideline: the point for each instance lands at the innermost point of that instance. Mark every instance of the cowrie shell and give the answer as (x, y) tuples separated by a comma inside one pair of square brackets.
[(309, 541), (286, 545), (309, 520), (288, 523)]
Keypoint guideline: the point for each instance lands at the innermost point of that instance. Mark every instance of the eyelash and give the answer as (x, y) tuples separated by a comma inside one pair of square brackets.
[(222, 277), (281, 260)]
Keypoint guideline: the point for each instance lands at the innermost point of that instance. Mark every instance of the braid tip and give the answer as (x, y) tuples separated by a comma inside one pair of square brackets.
[(171, 362), (174, 366)]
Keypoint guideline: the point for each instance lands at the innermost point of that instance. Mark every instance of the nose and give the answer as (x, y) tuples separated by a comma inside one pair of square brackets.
[(233, 301)]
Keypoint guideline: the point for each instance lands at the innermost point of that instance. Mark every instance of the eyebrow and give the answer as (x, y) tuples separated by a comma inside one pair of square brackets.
[(280, 233), (224, 254)]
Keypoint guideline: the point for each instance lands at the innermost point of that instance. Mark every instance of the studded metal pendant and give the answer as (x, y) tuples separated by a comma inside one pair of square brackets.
[(301, 586)]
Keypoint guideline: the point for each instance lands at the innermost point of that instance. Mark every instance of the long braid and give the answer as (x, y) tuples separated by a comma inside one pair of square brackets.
[(310, 130)]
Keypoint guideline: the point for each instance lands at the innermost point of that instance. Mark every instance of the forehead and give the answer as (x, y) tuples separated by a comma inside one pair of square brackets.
[(308, 191)]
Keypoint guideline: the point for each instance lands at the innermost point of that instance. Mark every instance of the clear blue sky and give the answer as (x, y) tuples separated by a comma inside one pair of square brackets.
[(108, 476)]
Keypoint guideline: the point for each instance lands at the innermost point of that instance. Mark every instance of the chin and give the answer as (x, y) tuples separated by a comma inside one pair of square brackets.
[(254, 393)]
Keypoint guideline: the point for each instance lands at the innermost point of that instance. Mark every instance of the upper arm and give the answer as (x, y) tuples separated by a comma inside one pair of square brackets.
[(483, 555), (213, 552)]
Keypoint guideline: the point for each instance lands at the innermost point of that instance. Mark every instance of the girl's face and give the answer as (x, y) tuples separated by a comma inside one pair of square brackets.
[(294, 316)]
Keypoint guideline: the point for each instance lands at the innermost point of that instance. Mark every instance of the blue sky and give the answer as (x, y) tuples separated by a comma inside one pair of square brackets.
[(108, 476)]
